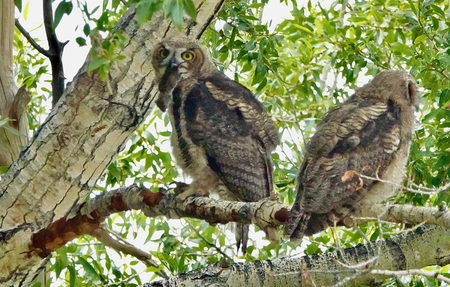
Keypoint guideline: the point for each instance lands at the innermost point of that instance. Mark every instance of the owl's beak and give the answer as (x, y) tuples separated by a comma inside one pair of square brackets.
[(173, 64)]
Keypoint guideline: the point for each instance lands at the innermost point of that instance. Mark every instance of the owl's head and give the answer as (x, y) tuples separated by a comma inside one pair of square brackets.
[(181, 56), (395, 86)]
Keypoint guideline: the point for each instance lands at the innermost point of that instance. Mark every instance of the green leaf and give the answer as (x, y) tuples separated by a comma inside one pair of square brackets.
[(88, 267), (72, 275), (190, 9), (86, 29), (63, 8), (96, 63), (176, 12), (311, 249), (81, 41), (420, 39), (18, 4), (444, 98), (145, 10), (13, 130)]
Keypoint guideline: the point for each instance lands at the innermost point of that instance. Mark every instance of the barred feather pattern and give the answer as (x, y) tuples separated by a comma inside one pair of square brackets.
[(367, 135), (222, 136)]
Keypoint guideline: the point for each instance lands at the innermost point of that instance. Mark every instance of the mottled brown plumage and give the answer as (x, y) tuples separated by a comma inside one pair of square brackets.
[(370, 135), (221, 135)]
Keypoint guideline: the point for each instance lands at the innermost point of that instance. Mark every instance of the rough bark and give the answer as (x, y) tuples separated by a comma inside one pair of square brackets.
[(78, 140), (349, 267), (363, 261), (12, 102)]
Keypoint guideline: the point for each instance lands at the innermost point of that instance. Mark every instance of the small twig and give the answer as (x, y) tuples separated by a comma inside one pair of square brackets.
[(344, 281), (359, 269), (209, 243), (126, 280), (360, 265), (121, 245), (425, 273), (417, 189), (405, 229)]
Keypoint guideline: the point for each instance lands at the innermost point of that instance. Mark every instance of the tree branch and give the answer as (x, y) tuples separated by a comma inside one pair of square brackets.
[(410, 250), (405, 213), (266, 213), (55, 51), (121, 245), (31, 40)]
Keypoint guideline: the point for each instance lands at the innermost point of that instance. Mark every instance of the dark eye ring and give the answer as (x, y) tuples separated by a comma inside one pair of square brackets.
[(163, 53), (187, 56)]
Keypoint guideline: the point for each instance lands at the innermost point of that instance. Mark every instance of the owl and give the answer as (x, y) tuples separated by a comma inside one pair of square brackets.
[(222, 136), (364, 139)]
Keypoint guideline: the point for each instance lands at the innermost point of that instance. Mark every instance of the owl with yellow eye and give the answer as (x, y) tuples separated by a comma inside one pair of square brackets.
[(222, 137)]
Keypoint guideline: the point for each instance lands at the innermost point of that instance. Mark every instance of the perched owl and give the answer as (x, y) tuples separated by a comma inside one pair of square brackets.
[(221, 135), (367, 135)]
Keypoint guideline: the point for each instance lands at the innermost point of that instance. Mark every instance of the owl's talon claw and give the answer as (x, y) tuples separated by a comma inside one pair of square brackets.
[(191, 191)]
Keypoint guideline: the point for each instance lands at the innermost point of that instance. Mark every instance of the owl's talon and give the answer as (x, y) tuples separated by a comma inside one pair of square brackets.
[(191, 192)]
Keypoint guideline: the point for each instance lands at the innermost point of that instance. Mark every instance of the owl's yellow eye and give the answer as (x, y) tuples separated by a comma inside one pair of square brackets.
[(163, 53), (187, 56)]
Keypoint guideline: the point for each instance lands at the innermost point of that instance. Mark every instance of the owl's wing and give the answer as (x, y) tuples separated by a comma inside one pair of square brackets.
[(345, 126), (236, 135), (359, 136), (240, 99)]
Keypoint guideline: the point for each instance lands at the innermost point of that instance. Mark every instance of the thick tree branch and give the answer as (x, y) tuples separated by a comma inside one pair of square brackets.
[(405, 213), (88, 216), (412, 250), (351, 267)]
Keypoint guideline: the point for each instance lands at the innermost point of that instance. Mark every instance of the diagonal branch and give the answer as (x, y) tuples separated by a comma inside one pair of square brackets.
[(31, 40)]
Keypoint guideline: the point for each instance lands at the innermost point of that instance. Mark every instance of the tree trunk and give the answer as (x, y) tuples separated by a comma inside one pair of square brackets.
[(78, 141), (12, 103)]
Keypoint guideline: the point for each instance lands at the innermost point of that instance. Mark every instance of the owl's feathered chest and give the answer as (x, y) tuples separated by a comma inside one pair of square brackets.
[(198, 119), (210, 134)]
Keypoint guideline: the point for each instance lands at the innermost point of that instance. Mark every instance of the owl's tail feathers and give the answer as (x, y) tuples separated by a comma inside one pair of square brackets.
[(241, 236), (296, 225)]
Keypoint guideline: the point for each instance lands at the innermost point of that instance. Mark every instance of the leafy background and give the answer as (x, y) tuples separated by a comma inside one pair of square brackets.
[(299, 69)]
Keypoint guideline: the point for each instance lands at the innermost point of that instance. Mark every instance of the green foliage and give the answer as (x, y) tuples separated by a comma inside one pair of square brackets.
[(299, 70), (30, 67), (172, 9)]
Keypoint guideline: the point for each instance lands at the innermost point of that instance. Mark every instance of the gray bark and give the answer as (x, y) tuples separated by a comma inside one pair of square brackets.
[(349, 267)]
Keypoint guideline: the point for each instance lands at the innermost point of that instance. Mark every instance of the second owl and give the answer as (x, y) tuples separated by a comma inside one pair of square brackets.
[(365, 138)]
